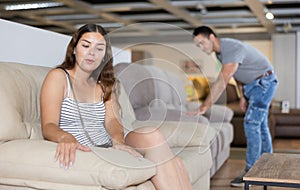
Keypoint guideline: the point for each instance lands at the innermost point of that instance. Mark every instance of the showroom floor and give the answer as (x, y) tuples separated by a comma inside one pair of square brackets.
[(236, 163)]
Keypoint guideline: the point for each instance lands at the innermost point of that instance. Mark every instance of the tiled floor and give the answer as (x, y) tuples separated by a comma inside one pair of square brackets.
[(236, 163)]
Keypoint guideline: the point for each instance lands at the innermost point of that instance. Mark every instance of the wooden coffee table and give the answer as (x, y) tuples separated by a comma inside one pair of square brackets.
[(276, 169)]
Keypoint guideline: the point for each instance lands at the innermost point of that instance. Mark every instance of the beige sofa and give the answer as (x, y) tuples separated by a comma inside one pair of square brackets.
[(157, 94), (27, 161)]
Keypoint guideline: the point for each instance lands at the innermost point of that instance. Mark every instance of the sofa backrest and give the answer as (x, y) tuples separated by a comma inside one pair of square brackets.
[(19, 100), (127, 112), (137, 82), (169, 89), (148, 86)]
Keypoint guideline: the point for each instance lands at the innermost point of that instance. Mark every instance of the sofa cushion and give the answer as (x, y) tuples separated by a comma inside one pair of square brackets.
[(19, 100), (137, 82), (149, 86), (127, 112), (219, 113), (182, 134), (163, 114), (179, 96), (30, 163), (162, 87), (224, 137), (195, 157), (168, 89)]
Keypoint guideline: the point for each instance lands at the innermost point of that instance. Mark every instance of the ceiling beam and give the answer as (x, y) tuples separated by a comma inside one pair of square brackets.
[(110, 17), (258, 9), (52, 11), (65, 25), (180, 13), (87, 8), (39, 19)]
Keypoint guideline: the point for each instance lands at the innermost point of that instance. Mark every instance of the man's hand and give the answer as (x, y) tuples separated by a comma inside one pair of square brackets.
[(243, 104), (201, 110)]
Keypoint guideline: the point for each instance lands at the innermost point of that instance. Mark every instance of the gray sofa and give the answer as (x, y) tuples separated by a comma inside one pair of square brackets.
[(26, 160), (160, 96)]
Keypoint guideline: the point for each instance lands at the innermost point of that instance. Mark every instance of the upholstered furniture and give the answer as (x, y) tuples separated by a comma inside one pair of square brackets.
[(287, 125), (160, 95), (27, 160)]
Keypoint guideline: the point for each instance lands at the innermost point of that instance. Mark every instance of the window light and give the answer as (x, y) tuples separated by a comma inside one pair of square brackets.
[(25, 6)]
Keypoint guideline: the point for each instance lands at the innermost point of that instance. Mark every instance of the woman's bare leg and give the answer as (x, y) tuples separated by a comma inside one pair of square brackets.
[(170, 173)]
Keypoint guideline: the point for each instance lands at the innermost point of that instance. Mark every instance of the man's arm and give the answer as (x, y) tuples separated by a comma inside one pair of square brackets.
[(219, 86), (243, 101)]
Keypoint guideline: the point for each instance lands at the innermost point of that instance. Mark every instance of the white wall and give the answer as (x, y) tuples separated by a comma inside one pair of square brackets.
[(165, 55), (170, 56), (298, 71), (284, 52), (29, 45), (264, 46)]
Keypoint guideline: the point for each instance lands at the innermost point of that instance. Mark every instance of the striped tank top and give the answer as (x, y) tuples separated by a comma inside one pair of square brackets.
[(92, 114)]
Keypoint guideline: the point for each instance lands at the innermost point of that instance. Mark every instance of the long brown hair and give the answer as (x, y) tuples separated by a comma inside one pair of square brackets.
[(104, 73)]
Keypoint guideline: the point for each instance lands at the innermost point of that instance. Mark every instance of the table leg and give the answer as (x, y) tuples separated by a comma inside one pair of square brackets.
[(246, 187), (265, 187)]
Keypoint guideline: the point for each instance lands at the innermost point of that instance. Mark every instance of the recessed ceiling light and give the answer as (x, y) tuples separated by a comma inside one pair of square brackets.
[(25, 6), (269, 16)]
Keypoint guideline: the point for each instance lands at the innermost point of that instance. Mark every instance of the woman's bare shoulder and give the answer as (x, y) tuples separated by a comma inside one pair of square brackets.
[(56, 74), (56, 77), (54, 83)]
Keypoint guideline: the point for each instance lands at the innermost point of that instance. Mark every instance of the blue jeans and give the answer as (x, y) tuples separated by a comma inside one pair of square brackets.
[(259, 94)]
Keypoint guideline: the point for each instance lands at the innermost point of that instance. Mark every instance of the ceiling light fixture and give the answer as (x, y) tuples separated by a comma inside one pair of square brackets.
[(26, 6), (287, 27), (268, 14), (202, 8)]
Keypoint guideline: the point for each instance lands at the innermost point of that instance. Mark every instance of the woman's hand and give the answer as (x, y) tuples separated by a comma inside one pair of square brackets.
[(128, 149), (66, 150)]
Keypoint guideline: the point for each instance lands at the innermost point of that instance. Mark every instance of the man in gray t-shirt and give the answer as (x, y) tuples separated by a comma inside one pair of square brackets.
[(251, 63), (257, 83)]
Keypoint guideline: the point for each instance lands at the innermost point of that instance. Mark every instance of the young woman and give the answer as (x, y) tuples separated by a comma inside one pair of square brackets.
[(79, 109)]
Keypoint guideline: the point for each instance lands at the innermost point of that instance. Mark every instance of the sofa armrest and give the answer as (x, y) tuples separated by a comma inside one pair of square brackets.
[(192, 105), (30, 163), (164, 114), (182, 134), (219, 113)]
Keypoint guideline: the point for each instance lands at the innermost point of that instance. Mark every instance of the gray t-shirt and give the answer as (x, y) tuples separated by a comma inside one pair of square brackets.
[(252, 63)]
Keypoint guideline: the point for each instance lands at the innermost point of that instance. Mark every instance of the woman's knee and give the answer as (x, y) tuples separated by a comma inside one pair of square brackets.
[(149, 136)]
